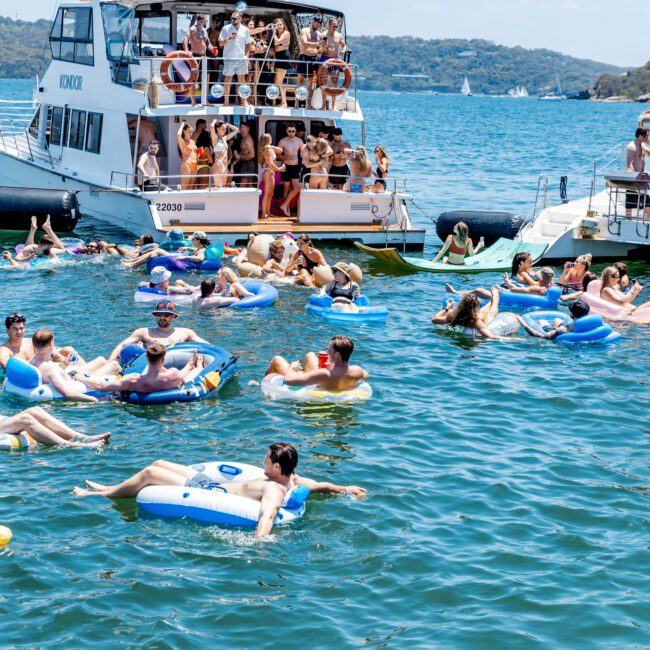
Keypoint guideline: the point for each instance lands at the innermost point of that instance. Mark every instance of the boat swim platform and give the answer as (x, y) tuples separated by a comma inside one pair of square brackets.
[(495, 258), (372, 235)]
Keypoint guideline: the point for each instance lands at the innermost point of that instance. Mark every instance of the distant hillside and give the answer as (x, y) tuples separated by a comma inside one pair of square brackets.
[(634, 84), (490, 68)]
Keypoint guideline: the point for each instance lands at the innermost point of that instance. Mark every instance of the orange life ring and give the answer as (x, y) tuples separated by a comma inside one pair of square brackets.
[(191, 62), (323, 74)]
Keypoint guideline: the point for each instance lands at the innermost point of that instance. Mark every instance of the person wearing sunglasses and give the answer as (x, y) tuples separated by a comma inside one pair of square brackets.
[(236, 40), (610, 290)]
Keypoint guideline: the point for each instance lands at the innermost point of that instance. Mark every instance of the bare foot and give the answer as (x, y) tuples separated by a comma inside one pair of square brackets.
[(285, 209), (81, 492), (46, 224), (105, 437), (34, 223)]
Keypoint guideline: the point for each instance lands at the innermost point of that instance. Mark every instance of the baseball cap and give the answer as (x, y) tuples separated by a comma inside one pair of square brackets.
[(165, 307)]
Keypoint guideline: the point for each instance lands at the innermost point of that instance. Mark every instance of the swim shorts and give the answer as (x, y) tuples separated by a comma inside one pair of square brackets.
[(232, 67), (199, 480), (339, 175), (292, 172)]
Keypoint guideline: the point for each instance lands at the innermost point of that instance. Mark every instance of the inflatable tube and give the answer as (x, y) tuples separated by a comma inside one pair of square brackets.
[(322, 306), (212, 261), (19, 204), (24, 380), (16, 442), (149, 295), (264, 295), (273, 386), (220, 367), (216, 506), (503, 324), (172, 245), (481, 223), (611, 310), (588, 329), (525, 300)]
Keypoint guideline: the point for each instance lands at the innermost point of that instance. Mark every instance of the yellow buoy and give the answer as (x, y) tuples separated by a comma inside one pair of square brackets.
[(5, 535)]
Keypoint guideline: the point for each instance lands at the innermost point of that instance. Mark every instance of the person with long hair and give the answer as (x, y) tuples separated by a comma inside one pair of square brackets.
[(281, 43), (573, 274), (305, 260), (522, 269), (360, 169), (610, 290), (267, 157), (319, 177), (221, 133), (383, 165), (469, 314), (458, 245), (187, 152)]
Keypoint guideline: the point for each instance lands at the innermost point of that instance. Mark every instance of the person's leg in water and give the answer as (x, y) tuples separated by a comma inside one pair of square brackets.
[(161, 472), (48, 430), (479, 291)]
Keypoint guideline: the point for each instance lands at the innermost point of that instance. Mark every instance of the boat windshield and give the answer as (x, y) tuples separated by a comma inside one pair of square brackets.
[(121, 42)]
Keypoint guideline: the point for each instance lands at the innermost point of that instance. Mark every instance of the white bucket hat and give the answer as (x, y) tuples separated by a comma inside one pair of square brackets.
[(160, 274)]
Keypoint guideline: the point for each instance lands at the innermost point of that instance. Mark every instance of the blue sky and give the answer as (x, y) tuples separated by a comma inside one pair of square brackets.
[(603, 30)]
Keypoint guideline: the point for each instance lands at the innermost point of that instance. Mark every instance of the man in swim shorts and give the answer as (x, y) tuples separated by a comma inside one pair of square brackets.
[(48, 430), (155, 378), (337, 376), (339, 170), (279, 464), (165, 314), (16, 345), (291, 146)]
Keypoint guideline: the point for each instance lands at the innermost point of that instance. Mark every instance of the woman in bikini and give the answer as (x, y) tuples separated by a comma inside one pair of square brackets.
[(611, 291), (457, 245), (574, 274), (221, 133), (360, 169), (187, 152), (281, 41), (522, 270), (305, 260), (266, 156), (319, 178)]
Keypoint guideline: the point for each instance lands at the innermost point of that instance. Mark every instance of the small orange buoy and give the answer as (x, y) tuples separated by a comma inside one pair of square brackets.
[(5, 535)]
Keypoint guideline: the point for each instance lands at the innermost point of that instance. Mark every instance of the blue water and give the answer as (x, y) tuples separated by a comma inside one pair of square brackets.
[(508, 482)]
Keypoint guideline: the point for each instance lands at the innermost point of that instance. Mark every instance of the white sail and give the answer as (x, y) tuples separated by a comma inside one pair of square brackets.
[(524, 92), (465, 90)]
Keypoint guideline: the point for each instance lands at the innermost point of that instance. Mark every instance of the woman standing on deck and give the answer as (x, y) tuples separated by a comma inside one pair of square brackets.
[(457, 245), (220, 138), (187, 152), (266, 156), (281, 41)]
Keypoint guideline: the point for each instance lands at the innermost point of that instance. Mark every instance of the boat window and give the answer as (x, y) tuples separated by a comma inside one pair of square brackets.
[(77, 129), (71, 37), (183, 24), (34, 125), (120, 33), (56, 124), (94, 132), (154, 31)]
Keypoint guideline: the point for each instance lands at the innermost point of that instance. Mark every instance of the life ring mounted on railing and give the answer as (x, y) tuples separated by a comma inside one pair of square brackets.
[(187, 59), (323, 76)]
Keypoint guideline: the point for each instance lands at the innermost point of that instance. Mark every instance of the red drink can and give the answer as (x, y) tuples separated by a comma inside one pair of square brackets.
[(214, 51), (323, 358)]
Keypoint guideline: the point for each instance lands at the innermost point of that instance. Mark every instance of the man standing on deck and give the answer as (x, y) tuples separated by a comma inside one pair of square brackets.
[(197, 42), (309, 44), (332, 44), (636, 151), (291, 145), (246, 158), (339, 170), (235, 39)]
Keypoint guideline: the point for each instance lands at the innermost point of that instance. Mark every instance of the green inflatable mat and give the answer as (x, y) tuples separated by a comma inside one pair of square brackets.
[(497, 257)]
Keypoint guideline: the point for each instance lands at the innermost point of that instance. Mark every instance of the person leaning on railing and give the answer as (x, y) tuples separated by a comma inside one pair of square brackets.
[(197, 42)]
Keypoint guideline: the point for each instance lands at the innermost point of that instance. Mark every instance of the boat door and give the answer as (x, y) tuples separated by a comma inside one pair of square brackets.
[(54, 133)]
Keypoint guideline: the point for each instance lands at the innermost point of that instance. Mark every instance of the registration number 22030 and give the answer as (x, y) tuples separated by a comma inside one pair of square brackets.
[(169, 207)]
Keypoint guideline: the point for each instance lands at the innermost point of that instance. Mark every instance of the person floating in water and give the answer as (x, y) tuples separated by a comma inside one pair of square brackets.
[(577, 309), (279, 478), (337, 376), (458, 245)]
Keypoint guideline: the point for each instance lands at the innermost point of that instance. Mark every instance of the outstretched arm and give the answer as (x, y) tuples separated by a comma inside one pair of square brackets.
[(330, 488), (444, 249)]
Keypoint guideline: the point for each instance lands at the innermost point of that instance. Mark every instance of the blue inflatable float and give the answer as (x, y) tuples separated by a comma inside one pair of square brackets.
[(526, 300), (322, 306), (178, 261), (220, 366), (588, 329)]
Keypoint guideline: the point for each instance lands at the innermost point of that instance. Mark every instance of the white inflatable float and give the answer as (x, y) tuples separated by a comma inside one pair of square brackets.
[(273, 386)]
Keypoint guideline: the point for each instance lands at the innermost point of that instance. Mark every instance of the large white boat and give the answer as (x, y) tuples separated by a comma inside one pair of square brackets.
[(116, 78), (612, 222)]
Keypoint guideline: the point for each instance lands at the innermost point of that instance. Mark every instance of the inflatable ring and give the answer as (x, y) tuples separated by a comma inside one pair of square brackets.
[(322, 306), (264, 295), (16, 442), (273, 386), (588, 329), (525, 300), (216, 506), (188, 59), (323, 73)]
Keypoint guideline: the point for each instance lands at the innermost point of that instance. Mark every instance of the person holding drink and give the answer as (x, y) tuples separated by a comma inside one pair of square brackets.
[(458, 245)]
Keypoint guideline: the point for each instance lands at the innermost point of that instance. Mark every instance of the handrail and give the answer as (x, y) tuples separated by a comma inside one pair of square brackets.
[(398, 184), (210, 75), (131, 182)]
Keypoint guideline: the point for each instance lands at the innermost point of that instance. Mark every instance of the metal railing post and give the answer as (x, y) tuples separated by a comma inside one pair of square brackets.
[(204, 81)]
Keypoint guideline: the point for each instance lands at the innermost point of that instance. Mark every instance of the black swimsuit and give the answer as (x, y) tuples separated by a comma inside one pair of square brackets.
[(347, 294), (309, 265)]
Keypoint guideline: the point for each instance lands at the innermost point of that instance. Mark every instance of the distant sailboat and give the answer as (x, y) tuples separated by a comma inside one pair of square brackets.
[(553, 96), (521, 91), (466, 90)]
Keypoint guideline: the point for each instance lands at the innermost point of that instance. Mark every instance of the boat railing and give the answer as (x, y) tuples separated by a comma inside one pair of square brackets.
[(16, 135), (628, 201), (184, 182), (367, 185), (205, 77)]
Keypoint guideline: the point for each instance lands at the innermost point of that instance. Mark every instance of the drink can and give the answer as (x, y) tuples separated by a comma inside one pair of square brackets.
[(322, 359)]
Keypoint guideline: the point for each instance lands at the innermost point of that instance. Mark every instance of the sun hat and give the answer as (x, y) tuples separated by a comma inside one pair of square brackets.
[(160, 274), (344, 267), (165, 307), (355, 274)]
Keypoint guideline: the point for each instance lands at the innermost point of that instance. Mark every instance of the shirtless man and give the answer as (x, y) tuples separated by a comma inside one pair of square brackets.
[(48, 246), (197, 42), (332, 45), (246, 158), (339, 170), (148, 169), (51, 372), (636, 151), (309, 44), (155, 378), (337, 376), (16, 345), (165, 314), (291, 146), (279, 464), (48, 430)]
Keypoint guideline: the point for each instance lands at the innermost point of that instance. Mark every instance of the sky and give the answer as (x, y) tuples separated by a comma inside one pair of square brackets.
[(609, 31)]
